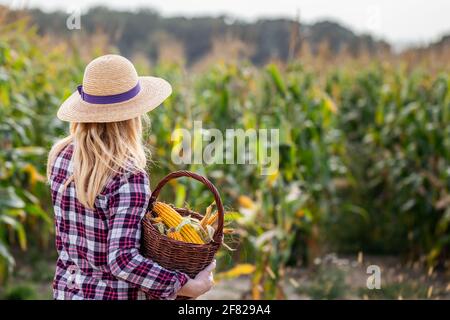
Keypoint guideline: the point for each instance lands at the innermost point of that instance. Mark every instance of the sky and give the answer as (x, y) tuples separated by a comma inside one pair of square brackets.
[(398, 21)]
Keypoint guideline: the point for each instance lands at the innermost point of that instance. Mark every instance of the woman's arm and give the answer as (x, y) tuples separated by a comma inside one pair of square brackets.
[(128, 204)]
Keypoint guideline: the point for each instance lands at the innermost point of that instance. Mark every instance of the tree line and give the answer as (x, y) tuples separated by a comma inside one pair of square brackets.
[(143, 30)]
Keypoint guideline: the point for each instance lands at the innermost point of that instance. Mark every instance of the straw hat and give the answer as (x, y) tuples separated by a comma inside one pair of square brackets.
[(112, 91)]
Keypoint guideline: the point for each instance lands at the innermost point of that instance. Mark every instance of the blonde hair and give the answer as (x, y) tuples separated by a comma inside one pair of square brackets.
[(101, 150)]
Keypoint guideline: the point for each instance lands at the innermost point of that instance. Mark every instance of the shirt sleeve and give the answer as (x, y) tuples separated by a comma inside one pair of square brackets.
[(128, 205)]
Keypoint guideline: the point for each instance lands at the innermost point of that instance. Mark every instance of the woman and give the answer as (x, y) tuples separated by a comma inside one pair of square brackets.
[(100, 190)]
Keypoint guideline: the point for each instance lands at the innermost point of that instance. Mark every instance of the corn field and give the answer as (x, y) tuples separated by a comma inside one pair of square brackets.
[(364, 155)]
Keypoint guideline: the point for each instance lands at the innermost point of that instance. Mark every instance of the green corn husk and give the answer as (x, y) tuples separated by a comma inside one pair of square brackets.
[(161, 227)]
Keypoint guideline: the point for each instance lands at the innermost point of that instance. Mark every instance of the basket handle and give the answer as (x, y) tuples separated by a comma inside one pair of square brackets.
[(217, 237)]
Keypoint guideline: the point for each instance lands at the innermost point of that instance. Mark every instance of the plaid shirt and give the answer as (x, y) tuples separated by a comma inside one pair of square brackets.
[(99, 249)]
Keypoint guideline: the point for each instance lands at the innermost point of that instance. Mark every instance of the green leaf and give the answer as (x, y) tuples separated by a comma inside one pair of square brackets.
[(180, 195), (276, 78), (5, 254), (232, 216), (37, 211), (9, 198), (18, 227)]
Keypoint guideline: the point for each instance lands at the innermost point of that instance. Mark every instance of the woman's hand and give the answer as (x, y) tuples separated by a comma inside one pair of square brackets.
[(201, 284)]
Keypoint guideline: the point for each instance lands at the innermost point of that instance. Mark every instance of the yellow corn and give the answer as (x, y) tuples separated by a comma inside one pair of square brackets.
[(175, 235), (172, 219), (213, 219), (180, 237), (206, 217)]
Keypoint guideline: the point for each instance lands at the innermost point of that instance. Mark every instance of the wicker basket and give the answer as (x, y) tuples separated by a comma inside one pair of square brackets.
[(172, 254)]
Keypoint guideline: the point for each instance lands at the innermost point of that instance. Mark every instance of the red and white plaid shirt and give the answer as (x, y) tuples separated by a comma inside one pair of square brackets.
[(99, 249)]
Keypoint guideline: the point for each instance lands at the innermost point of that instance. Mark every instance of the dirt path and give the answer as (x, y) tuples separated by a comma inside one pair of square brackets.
[(334, 277)]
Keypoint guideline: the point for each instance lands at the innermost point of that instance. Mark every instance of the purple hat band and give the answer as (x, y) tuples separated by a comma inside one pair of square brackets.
[(115, 98)]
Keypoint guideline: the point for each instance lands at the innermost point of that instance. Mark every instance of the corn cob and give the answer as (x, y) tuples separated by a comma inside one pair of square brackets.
[(206, 217), (202, 232), (213, 218), (172, 219), (175, 235)]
